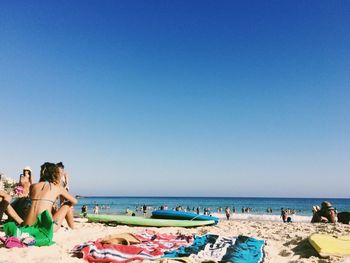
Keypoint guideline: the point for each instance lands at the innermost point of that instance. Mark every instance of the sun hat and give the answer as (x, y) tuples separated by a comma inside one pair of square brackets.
[(327, 205), (27, 168)]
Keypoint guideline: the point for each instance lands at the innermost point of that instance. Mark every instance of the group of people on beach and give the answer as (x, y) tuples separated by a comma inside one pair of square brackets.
[(51, 193), (31, 199), (324, 214), (329, 214)]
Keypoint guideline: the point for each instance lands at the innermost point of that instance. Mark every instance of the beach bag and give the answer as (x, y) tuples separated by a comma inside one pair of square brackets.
[(11, 242)]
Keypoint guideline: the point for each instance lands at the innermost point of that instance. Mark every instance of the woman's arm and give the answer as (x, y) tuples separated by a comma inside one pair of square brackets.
[(332, 216), (66, 176), (71, 199)]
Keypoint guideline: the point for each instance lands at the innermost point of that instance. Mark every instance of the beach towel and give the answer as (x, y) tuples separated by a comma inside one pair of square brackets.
[(150, 240), (41, 231), (198, 245), (151, 246), (175, 248), (245, 249), (216, 248)]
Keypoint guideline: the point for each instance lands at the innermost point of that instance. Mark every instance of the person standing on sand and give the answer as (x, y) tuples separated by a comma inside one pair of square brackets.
[(284, 215), (84, 210), (144, 210), (227, 212)]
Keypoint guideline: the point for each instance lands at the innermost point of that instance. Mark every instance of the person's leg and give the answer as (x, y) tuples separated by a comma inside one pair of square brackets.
[(13, 214), (70, 218), (61, 200), (8, 209), (1, 205), (3, 196), (60, 215)]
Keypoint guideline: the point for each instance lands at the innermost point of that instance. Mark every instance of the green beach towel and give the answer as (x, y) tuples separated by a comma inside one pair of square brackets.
[(42, 230)]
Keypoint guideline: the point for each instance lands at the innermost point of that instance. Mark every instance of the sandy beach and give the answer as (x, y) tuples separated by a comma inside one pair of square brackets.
[(284, 242)]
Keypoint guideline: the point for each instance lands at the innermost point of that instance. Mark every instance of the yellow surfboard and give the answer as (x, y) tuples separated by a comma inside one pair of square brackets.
[(329, 245)]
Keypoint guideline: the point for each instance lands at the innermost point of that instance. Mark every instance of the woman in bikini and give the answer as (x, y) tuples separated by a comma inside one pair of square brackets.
[(44, 195)]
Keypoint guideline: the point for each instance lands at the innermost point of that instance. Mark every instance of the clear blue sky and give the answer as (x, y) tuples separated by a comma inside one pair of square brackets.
[(184, 98)]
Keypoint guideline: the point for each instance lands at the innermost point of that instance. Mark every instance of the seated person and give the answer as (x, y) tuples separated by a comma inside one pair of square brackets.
[(21, 201), (325, 215), (45, 193)]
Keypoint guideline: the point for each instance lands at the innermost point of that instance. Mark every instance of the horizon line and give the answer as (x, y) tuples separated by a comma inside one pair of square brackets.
[(159, 196)]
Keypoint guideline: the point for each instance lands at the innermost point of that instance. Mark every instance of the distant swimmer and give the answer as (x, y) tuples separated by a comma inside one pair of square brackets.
[(96, 209)]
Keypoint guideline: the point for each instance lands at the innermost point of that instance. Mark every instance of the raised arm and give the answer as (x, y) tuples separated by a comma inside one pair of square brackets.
[(71, 199), (67, 180)]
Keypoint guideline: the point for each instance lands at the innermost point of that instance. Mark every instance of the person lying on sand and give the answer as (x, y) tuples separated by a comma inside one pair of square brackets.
[(325, 215)]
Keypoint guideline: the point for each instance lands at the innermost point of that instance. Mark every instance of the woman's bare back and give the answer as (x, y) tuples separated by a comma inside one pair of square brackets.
[(43, 196)]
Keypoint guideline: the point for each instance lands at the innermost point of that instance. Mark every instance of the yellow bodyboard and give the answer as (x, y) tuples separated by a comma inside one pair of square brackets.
[(330, 245)]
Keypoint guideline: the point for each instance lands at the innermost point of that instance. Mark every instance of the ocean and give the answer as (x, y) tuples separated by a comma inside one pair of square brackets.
[(258, 205)]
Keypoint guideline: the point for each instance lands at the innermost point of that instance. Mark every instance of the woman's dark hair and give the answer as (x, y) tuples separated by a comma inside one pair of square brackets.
[(60, 165), (30, 175), (49, 172)]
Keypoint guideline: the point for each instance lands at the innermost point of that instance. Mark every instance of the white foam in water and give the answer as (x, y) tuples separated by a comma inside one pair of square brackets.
[(254, 217)]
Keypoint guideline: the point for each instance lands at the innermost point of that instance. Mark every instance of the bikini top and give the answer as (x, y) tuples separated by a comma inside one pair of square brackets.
[(43, 199)]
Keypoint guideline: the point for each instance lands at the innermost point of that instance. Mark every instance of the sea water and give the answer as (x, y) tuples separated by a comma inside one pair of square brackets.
[(301, 206)]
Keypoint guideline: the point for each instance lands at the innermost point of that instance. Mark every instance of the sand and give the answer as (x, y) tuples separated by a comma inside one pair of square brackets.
[(285, 242)]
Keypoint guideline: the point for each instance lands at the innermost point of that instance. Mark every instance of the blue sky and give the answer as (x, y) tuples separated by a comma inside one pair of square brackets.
[(180, 98)]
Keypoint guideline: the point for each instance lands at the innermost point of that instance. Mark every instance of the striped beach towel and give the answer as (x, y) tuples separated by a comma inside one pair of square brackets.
[(222, 249), (151, 246), (183, 248)]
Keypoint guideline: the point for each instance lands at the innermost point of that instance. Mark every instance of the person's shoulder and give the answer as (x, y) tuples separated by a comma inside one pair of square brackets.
[(36, 185), (60, 188)]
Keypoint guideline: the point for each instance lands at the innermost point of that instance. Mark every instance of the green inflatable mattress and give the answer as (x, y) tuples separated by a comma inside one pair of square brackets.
[(141, 221)]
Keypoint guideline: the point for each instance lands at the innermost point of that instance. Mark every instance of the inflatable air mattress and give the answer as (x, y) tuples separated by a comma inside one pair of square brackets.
[(179, 215), (141, 221)]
